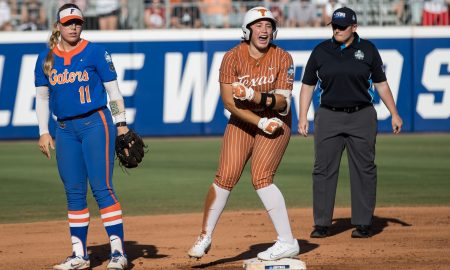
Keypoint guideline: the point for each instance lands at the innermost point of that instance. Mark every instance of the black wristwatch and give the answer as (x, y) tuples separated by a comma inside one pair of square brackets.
[(121, 124)]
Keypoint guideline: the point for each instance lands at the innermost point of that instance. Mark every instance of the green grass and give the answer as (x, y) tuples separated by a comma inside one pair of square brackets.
[(176, 173)]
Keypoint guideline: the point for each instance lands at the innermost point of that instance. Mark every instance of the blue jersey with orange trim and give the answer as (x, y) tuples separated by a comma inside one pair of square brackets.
[(76, 79)]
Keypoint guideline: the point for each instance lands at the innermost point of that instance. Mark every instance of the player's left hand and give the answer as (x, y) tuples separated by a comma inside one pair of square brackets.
[(241, 92), (270, 126), (130, 149), (397, 123), (122, 130), (45, 143)]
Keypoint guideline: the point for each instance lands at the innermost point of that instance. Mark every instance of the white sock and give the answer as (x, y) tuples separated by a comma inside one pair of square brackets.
[(273, 200), (116, 243), (215, 203), (77, 246)]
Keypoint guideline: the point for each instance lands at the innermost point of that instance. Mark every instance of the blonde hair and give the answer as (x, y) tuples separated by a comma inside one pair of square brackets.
[(53, 41)]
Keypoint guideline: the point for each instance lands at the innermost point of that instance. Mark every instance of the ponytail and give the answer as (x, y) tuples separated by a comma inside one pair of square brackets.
[(54, 38)]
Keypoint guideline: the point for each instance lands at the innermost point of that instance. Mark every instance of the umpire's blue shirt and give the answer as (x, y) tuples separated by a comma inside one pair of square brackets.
[(345, 74)]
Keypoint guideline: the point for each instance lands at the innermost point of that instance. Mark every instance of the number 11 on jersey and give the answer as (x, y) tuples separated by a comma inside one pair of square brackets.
[(84, 94)]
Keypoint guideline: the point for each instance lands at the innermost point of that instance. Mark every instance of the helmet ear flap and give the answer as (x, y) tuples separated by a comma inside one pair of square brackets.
[(247, 33)]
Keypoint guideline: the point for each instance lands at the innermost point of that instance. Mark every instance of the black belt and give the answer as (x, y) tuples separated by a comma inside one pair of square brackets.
[(89, 113), (346, 109)]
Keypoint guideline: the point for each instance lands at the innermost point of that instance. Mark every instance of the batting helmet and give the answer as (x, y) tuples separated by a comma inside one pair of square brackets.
[(254, 14)]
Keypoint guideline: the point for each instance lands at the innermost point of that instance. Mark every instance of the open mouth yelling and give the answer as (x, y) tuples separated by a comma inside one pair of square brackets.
[(263, 39)]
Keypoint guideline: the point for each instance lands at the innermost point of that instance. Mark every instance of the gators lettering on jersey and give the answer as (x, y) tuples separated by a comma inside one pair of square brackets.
[(76, 79)]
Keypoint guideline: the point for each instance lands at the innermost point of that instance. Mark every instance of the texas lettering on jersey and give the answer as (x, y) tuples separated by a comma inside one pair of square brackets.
[(256, 81)]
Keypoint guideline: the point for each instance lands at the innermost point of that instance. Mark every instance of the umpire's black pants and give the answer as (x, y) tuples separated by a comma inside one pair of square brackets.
[(333, 132)]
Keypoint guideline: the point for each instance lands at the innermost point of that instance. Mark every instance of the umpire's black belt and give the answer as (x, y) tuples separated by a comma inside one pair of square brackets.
[(89, 113), (346, 109)]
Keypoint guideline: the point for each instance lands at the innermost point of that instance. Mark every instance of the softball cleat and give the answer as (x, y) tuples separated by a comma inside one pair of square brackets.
[(118, 261), (200, 247), (279, 251), (73, 263)]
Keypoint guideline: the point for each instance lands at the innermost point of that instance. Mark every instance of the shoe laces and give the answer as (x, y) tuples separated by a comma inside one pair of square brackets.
[(276, 247), (279, 246), (73, 256), (115, 257), (202, 240)]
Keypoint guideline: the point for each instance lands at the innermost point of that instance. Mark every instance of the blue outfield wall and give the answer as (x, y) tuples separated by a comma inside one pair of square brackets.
[(169, 78)]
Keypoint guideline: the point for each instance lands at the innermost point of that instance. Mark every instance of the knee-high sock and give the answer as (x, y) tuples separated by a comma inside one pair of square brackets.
[(215, 203), (79, 223), (274, 203), (112, 220)]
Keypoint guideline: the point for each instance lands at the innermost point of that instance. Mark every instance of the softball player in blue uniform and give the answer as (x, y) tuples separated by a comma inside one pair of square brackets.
[(73, 78)]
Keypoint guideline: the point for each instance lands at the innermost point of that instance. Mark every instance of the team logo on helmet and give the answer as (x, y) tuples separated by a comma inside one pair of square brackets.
[(262, 11)]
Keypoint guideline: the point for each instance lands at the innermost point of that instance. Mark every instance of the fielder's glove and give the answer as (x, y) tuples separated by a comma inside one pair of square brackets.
[(271, 125), (241, 92), (130, 149)]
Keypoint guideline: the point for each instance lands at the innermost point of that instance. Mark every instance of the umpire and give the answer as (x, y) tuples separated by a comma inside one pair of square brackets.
[(347, 69)]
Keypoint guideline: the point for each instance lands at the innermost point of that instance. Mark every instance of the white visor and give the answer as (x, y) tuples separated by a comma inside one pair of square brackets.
[(70, 14)]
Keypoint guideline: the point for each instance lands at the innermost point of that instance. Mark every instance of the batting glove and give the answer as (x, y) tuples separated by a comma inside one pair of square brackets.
[(241, 92), (271, 125)]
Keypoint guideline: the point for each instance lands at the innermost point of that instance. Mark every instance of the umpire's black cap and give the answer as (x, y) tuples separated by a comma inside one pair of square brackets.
[(343, 16)]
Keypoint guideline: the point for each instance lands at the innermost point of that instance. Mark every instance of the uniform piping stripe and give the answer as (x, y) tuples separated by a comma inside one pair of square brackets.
[(105, 125), (112, 218), (112, 208), (78, 212), (78, 220), (112, 214), (112, 223), (68, 55), (71, 216), (84, 224)]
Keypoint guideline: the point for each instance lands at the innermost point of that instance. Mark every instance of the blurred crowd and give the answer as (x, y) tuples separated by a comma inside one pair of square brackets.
[(30, 15)]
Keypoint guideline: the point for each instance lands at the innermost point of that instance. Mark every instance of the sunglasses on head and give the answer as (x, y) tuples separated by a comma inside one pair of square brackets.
[(340, 27), (71, 22)]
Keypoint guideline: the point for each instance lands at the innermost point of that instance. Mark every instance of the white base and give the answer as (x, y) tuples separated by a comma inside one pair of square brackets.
[(257, 264)]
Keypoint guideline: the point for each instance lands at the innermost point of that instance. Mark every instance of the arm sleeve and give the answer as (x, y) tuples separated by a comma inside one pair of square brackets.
[(227, 72), (112, 87), (116, 101), (377, 69), (42, 108), (104, 65), (310, 75)]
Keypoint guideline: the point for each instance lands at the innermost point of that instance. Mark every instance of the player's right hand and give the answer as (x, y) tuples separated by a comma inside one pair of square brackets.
[(241, 92), (303, 126), (270, 126), (45, 143)]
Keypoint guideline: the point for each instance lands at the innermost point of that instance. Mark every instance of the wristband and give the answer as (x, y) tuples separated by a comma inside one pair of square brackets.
[(263, 101)]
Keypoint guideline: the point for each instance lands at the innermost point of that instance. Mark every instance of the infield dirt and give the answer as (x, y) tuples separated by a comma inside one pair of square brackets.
[(405, 238)]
